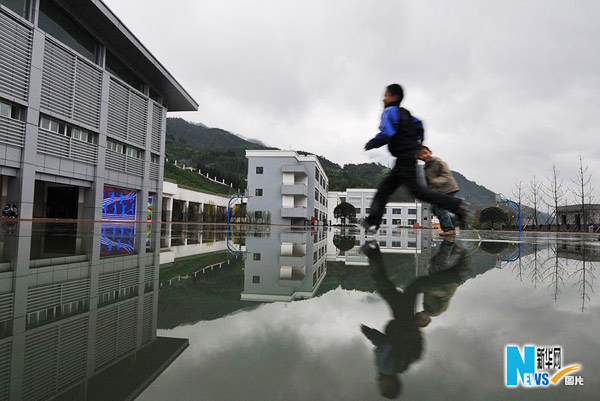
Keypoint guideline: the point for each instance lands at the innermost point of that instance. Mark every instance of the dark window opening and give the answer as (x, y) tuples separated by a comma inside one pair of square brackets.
[(117, 68), (59, 25), (20, 7)]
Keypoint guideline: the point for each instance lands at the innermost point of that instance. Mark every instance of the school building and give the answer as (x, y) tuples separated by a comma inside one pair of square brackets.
[(286, 187), (82, 113), (396, 214)]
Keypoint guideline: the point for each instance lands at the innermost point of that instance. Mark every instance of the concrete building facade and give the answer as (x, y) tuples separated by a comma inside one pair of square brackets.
[(397, 214), (83, 112), (292, 267), (577, 217), (286, 188)]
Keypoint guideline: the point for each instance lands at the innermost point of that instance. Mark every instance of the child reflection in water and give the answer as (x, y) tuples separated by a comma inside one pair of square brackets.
[(402, 344)]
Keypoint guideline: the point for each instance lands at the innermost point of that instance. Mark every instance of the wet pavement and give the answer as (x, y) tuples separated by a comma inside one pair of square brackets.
[(106, 311)]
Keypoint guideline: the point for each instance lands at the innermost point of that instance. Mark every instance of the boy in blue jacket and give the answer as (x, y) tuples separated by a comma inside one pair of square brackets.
[(400, 131)]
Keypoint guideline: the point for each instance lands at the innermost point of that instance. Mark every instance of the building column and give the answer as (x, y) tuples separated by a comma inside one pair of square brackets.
[(167, 212), (24, 183)]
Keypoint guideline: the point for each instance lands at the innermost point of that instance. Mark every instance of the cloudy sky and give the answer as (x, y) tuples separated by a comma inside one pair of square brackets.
[(506, 88)]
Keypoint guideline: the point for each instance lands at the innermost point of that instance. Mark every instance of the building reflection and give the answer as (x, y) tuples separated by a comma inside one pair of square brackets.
[(286, 268), (78, 311)]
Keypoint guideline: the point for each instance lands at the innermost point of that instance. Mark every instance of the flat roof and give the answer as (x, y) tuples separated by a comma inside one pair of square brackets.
[(99, 18), (287, 153)]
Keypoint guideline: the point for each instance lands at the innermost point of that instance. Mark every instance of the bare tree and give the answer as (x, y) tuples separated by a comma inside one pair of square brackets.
[(517, 194), (534, 198), (582, 190), (555, 192)]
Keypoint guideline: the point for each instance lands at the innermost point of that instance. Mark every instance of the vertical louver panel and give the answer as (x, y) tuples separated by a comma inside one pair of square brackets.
[(106, 336), (138, 115), (58, 145), (126, 340), (118, 110), (72, 352), (5, 358), (115, 161), (117, 331), (147, 318), (6, 307), (12, 132), (58, 80), (135, 166), (15, 59), (157, 118), (44, 297), (88, 94), (41, 360), (51, 143), (71, 86), (154, 171), (149, 273), (54, 358)]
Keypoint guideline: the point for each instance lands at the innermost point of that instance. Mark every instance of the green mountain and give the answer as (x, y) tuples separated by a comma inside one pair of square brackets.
[(223, 154)]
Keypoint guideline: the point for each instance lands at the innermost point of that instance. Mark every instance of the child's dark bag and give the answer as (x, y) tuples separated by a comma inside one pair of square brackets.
[(409, 135)]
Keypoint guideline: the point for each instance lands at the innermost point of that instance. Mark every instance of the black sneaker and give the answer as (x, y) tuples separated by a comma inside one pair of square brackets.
[(464, 215), (368, 227), (369, 247)]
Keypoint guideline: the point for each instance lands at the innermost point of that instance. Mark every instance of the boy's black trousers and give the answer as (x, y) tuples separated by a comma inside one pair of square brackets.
[(405, 173)]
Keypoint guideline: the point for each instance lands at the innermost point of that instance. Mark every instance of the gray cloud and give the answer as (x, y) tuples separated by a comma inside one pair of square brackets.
[(505, 88)]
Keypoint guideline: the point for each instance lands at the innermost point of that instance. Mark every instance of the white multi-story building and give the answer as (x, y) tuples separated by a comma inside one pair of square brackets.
[(286, 187), (397, 214)]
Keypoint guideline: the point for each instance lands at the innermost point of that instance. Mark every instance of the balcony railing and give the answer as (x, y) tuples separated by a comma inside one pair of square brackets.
[(295, 189), (294, 212)]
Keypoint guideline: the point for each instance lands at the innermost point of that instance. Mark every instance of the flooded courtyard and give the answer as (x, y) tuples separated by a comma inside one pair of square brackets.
[(181, 312)]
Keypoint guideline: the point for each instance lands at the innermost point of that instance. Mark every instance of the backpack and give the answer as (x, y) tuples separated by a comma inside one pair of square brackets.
[(420, 130), (409, 134)]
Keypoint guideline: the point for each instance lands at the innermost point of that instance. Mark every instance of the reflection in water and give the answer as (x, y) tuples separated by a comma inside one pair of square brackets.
[(401, 344), (327, 285), (75, 322), (290, 267)]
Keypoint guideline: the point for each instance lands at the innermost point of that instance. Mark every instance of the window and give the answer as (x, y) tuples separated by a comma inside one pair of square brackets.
[(368, 210), (152, 94), (258, 215), (342, 199), (5, 109), (396, 221), (259, 170), (133, 152), (255, 279), (382, 243), (79, 134), (412, 211), (57, 23), (258, 192), (396, 211), (119, 69), (256, 256), (316, 195), (114, 146), (384, 222), (21, 7), (357, 210), (48, 124), (154, 158), (396, 244)]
